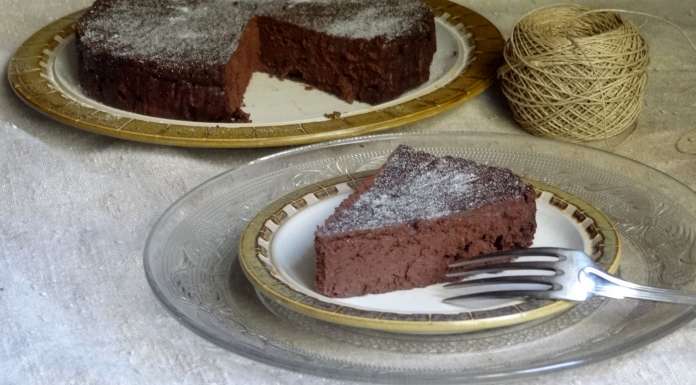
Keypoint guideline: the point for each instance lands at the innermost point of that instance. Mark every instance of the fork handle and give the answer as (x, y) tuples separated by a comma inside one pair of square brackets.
[(610, 286)]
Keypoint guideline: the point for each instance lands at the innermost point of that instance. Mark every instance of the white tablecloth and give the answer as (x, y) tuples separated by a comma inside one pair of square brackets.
[(75, 209)]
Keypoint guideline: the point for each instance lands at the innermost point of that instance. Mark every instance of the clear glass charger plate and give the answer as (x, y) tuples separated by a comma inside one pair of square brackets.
[(191, 264)]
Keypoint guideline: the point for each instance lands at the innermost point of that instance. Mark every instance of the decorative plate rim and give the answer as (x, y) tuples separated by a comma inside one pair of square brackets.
[(27, 78), (261, 277)]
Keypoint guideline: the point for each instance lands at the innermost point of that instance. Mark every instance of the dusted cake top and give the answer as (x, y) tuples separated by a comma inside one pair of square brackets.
[(176, 33), (415, 185)]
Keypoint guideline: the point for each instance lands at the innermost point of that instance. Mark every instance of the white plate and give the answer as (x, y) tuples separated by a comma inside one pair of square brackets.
[(277, 254)]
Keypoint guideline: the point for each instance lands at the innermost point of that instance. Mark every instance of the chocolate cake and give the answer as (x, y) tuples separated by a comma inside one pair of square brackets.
[(402, 227), (193, 59)]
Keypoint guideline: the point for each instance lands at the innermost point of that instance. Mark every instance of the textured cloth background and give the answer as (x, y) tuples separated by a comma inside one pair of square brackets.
[(75, 209)]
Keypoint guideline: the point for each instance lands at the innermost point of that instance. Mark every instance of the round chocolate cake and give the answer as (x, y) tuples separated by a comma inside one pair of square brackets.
[(193, 59)]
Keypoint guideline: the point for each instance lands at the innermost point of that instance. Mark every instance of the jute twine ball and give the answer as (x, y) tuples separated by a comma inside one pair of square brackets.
[(575, 74)]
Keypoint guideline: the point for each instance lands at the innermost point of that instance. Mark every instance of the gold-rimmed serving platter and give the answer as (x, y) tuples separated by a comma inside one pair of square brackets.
[(43, 73)]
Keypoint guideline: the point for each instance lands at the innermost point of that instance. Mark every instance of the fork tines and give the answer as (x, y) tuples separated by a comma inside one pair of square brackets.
[(505, 274)]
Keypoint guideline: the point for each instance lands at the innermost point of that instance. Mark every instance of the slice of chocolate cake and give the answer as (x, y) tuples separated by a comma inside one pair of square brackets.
[(402, 227)]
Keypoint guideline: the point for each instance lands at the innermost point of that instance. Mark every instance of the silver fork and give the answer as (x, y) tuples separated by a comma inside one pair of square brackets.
[(547, 273)]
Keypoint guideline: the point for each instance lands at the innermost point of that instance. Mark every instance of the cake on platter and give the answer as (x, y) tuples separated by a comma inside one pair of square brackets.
[(193, 59)]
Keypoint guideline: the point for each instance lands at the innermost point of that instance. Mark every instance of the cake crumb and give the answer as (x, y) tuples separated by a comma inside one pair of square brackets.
[(333, 115)]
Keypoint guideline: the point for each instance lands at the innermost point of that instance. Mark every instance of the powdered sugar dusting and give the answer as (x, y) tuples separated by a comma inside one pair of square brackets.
[(362, 19), (174, 33), (416, 185)]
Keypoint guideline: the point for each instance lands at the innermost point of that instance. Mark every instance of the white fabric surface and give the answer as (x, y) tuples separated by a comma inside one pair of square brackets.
[(75, 209)]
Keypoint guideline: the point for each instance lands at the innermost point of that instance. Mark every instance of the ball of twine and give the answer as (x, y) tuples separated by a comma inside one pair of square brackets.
[(575, 74)]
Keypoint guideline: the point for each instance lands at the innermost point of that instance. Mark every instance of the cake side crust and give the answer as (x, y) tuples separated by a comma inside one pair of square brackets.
[(135, 87)]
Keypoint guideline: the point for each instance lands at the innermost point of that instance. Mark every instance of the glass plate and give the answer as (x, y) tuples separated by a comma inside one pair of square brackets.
[(191, 264)]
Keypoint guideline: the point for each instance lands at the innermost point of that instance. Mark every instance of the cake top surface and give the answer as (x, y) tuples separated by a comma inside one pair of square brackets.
[(415, 185), (206, 32)]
